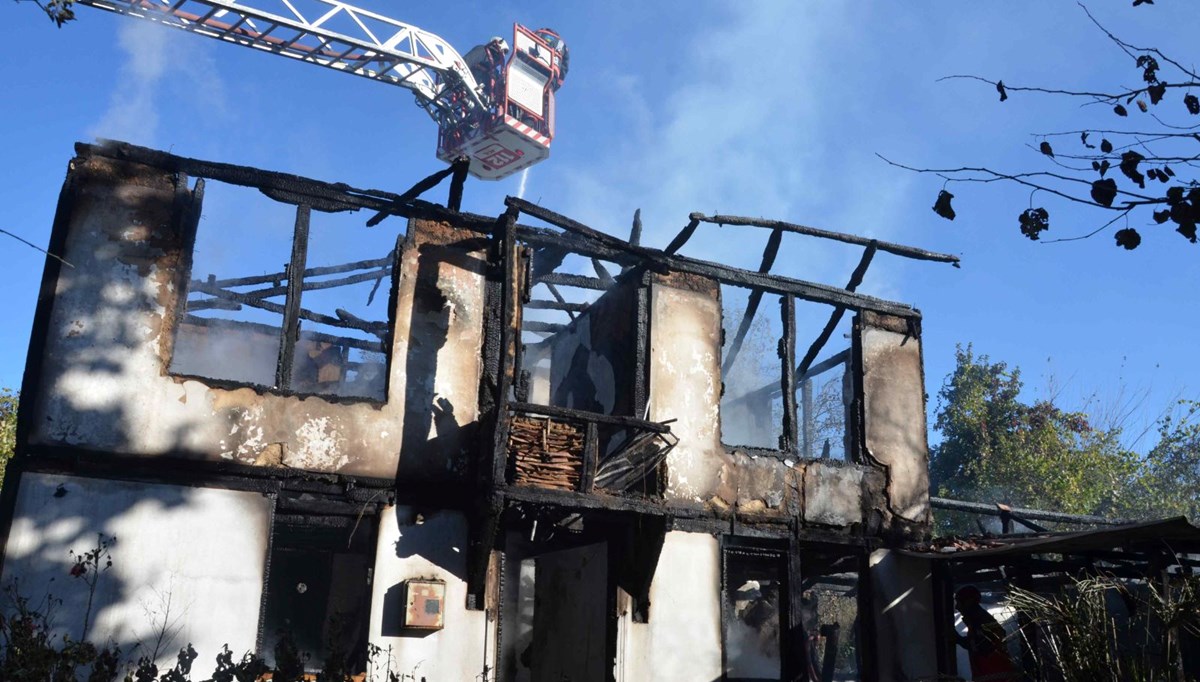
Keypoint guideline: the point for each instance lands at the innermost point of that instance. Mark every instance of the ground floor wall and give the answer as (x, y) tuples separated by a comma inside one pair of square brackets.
[(429, 546), (176, 564), (209, 566), (682, 640)]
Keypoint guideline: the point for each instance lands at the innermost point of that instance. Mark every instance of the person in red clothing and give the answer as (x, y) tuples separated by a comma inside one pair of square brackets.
[(984, 640)]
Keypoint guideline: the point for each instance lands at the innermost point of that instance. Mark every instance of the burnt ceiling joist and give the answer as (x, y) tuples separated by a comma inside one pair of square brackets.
[(606, 246), (889, 247)]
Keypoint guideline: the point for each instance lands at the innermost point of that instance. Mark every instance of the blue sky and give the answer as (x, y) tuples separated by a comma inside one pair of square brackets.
[(756, 108)]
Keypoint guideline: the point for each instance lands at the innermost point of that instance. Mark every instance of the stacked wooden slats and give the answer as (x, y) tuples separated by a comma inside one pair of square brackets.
[(547, 454)]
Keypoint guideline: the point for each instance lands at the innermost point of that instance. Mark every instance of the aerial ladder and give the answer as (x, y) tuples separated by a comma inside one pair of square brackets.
[(496, 107)]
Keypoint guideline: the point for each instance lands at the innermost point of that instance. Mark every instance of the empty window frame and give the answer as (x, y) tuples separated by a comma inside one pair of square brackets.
[(753, 411), (760, 338), (326, 332), (753, 597)]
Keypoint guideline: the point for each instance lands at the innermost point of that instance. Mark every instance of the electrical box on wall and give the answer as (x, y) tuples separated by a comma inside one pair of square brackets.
[(424, 604)]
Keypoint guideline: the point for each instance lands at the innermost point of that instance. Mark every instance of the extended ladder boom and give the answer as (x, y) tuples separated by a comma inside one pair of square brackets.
[(334, 35)]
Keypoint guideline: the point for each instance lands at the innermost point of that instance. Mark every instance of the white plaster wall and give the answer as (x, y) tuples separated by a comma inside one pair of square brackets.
[(682, 641), (685, 385), (904, 620), (434, 549), (833, 494), (202, 549), (105, 385), (894, 406)]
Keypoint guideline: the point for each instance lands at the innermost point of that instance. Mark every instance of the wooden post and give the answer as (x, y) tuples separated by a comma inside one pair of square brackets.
[(295, 286)]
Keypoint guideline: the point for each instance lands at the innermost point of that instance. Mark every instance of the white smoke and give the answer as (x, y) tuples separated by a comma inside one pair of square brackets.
[(131, 113), (157, 59)]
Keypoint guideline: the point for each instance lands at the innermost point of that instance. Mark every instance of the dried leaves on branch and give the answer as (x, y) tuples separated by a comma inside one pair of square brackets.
[(1146, 171), (59, 11)]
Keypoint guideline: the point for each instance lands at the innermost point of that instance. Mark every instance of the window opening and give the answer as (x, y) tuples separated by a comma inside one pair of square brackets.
[(219, 336), (247, 322), (753, 589), (752, 406), (825, 396)]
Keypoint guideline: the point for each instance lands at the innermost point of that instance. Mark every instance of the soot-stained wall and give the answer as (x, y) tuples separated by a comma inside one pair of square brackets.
[(894, 413), (104, 383), (888, 491), (592, 361)]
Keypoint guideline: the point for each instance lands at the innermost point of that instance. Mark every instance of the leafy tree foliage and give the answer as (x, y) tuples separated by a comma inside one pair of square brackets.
[(996, 448), (8, 427), (1170, 484), (1139, 161)]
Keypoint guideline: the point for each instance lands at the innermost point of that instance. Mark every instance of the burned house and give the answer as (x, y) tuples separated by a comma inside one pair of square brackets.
[(487, 465)]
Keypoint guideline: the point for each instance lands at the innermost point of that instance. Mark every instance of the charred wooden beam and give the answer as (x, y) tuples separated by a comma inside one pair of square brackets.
[(212, 304), (376, 328), (483, 534), (539, 304), (602, 273), (536, 326), (585, 416), (559, 297), (244, 176), (570, 225), (889, 247), (825, 365), (459, 168), (856, 278), (279, 277), (542, 237), (580, 281), (511, 271), (682, 238), (1034, 514), (768, 259), (322, 284), (787, 351), (413, 192), (635, 233), (809, 291), (327, 194), (291, 311)]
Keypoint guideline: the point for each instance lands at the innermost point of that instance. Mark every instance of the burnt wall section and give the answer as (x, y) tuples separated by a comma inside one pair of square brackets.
[(884, 494), (592, 360), (893, 418), (104, 383), (685, 380)]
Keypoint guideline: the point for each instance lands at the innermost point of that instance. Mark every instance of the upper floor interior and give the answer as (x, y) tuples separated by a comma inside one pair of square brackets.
[(245, 318)]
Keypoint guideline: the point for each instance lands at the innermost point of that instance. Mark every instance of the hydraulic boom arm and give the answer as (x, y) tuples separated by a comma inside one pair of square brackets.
[(334, 35)]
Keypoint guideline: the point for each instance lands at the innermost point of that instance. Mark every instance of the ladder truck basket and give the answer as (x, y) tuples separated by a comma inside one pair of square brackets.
[(516, 130)]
